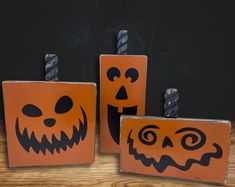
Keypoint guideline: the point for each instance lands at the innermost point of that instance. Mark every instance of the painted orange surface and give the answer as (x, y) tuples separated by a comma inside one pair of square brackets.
[(180, 148), (122, 91), (49, 123)]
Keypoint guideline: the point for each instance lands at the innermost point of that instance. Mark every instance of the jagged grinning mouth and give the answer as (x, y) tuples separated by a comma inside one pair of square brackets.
[(114, 119), (31, 141), (166, 160)]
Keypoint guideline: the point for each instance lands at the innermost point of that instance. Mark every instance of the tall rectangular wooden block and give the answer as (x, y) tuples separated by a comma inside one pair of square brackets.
[(122, 91)]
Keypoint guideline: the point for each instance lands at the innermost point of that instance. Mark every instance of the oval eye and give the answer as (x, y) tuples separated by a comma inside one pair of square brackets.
[(132, 73), (63, 105), (31, 110), (113, 72), (147, 136), (194, 140)]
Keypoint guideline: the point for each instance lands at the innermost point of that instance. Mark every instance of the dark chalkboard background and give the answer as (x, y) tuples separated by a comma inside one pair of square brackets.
[(190, 46)]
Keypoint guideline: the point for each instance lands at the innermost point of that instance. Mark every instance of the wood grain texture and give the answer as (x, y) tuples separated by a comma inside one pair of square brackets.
[(103, 172)]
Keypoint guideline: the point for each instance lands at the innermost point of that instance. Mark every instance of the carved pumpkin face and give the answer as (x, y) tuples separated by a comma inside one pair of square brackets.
[(49, 123), (181, 148), (122, 91)]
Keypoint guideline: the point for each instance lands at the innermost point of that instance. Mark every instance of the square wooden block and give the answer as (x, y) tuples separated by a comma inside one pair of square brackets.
[(49, 123)]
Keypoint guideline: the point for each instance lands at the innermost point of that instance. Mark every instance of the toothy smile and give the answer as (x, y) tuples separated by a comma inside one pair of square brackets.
[(30, 141)]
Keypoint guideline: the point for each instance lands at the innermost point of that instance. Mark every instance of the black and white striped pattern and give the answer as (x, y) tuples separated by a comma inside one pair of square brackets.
[(51, 67), (122, 46), (171, 103)]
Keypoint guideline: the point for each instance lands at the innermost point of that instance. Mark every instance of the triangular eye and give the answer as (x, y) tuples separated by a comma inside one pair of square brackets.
[(63, 105), (31, 110)]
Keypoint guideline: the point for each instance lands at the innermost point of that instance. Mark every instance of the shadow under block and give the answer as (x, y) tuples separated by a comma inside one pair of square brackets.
[(49, 123), (182, 148), (122, 91)]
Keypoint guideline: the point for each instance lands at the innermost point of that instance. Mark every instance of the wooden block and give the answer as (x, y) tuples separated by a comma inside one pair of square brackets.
[(49, 123), (122, 91), (181, 148)]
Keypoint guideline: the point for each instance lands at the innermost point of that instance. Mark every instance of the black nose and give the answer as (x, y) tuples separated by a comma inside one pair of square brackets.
[(122, 93), (49, 122), (167, 142)]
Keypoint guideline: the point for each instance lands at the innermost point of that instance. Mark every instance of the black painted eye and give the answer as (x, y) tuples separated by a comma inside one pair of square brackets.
[(113, 72), (31, 110), (63, 105), (147, 135), (132, 73), (195, 143)]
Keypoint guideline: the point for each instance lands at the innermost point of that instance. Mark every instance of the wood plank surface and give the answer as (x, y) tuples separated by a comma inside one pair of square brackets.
[(103, 172)]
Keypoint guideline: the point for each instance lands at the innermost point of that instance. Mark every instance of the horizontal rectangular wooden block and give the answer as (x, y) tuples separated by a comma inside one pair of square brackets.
[(49, 123), (193, 149)]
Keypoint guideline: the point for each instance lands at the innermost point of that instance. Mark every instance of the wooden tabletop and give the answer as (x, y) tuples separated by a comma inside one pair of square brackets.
[(103, 172)]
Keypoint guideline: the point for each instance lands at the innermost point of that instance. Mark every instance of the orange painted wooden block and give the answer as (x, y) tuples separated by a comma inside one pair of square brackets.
[(122, 91), (181, 148), (49, 123)]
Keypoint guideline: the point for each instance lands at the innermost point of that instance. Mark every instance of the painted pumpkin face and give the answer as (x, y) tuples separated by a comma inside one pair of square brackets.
[(181, 148), (48, 123), (122, 91)]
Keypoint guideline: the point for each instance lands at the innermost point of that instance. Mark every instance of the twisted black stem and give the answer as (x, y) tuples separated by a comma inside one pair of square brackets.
[(51, 67), (171, 103), (122, 46)]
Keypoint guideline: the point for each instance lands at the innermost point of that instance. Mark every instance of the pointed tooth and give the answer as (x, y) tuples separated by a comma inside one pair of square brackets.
[(47, 145), (76, 135), (56, 144), (62, 144), (83, 126), (34, 143), (65, 140), (82, 130), (26, 141), (22, 138)]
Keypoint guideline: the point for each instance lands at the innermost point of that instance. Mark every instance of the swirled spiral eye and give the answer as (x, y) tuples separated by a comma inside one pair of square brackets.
[(147, 136), (198, 138)]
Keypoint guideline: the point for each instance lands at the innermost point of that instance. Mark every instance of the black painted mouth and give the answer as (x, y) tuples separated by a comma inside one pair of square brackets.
[(114, 119), (31, 141), (166, 160)]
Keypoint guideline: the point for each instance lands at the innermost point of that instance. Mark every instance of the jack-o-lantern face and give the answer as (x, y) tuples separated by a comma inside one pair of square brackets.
[(122, 91), (181, 148), (53, 142), (48, 123)]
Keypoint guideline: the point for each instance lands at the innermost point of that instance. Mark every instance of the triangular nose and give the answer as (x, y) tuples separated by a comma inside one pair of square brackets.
[(167, 142), (122, 93)]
